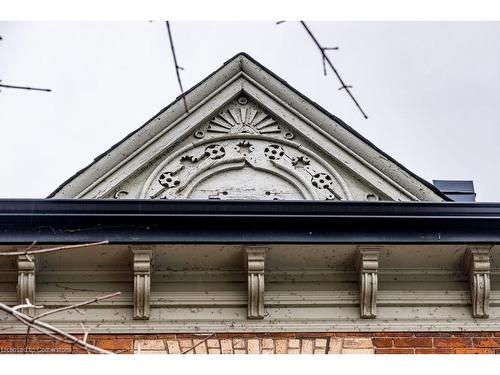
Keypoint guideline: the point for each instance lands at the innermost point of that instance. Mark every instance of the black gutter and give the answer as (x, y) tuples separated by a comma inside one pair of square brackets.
[(241, 222)]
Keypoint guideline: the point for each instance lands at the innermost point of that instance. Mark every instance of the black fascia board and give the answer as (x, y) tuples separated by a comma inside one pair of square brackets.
[(54, 221)]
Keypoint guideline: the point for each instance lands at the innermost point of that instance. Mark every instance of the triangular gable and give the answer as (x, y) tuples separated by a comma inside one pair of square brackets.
[(248, 135)]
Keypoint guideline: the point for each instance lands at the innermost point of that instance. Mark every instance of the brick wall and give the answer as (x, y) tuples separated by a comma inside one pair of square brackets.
[(272, 343)]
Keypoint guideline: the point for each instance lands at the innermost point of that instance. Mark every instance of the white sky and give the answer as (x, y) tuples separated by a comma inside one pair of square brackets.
[(431, 90)]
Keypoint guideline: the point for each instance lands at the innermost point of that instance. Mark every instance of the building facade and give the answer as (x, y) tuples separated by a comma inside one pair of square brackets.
[(255, 222)]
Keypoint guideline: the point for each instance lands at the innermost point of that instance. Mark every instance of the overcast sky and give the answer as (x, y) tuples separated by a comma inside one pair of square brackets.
[(431, 90)]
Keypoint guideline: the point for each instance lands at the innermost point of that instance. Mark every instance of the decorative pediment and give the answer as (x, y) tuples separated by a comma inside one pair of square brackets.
[(244, 153), (243, 140)]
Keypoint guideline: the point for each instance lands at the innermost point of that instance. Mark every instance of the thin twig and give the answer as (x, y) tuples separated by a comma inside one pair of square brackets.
[(85, 335), (76, 306), (28, 251), (26, 338), (26, 306), (201, 342), (177, 67), (24, 88), (326, 59)]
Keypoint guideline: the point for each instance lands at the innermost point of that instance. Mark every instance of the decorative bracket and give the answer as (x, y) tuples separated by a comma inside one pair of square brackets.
[(367, 268), (142, 281), (477, 266), (26, 268), (255, 258)]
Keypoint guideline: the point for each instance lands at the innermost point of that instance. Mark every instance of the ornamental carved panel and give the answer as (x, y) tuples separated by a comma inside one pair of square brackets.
[(243, 152)]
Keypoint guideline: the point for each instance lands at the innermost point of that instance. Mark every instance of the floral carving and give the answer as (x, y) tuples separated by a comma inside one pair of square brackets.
[(244, 147), (322, 181), (215, 151), (168, 180), (274, 152)]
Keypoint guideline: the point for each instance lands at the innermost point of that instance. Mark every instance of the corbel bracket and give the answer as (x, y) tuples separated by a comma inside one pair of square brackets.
[(255, 258), (477, 267), (142, 281), (26, 267), (367, 268)]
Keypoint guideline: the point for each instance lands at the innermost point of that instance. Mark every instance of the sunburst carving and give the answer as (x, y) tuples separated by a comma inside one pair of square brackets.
[(243, 119)]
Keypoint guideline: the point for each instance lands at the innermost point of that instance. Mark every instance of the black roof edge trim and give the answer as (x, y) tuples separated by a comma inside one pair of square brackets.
[(23, 221)]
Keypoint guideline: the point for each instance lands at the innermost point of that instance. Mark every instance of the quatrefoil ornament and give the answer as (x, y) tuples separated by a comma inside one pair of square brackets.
[(322, 181), (215, 151), (274, 152), (168, 180)]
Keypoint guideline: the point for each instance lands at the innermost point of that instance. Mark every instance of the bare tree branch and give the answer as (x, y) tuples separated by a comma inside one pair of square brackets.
[(326, 59), (51, 331), (177, 67), (45, 328), (24, 88), (29, 250), (26, 305), (201, 342), (85, 335), (76, 306)]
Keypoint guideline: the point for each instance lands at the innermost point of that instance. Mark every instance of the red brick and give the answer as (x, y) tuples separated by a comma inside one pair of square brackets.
[(434, 351), (136, 337), (453, 342), (48, 347), (102, 337), (77, 350), (413, 342), (393, 334), (394, 351), (473, 334), (432, 334), (116, 344), (475, 351), (490, 342), (352, 334), (307, 335), (188, 336), (12, 337), (10, 344), (236, 335), (383, 342), (42, 344)]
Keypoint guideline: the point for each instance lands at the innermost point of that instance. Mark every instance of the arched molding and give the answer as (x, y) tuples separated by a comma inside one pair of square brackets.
[(295, 180), (196, 163)]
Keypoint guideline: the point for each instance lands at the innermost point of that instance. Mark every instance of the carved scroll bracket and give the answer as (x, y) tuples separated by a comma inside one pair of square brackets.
[(477, 266), (367, 268), (255, 258), (142, 281), (26, 268)]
